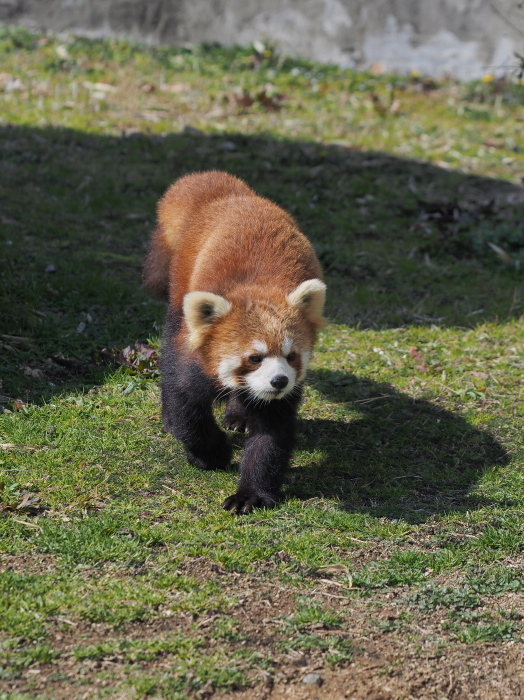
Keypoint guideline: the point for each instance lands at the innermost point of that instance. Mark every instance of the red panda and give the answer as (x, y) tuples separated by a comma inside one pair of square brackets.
[(245, 299)]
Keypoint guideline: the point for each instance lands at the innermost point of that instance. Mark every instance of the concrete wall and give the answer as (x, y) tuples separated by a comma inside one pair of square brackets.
[(465, 38)]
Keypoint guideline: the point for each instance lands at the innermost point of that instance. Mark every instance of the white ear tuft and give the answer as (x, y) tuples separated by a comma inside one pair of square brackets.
[(201, 310), (310, 296)]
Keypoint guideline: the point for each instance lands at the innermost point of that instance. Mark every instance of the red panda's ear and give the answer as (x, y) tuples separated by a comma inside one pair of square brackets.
[(201, 310), (310, 296)]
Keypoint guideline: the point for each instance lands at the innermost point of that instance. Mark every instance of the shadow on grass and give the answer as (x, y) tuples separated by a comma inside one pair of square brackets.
[(398, 240), (398, 457)]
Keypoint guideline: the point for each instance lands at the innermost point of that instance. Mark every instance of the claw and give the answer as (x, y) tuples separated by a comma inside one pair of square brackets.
[(242, 504), (238, 425)]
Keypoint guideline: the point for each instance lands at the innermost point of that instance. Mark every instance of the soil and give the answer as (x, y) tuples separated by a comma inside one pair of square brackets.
[(408, 662)]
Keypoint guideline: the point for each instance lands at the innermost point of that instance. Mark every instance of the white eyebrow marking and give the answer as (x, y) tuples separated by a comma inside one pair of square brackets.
[(286, 346), (260, 347)]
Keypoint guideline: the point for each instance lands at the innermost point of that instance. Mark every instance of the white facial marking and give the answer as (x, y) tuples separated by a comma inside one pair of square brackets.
[(260, 347), (259, 381), (286, 346), (306, 356), (226, 370)]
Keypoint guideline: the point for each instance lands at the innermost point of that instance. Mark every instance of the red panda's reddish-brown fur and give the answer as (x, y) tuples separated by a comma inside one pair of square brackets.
[(215, 234), (220, 249)]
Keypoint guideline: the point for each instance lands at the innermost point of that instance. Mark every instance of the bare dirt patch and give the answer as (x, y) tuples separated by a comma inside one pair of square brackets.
[(27, 563), (393, 655)]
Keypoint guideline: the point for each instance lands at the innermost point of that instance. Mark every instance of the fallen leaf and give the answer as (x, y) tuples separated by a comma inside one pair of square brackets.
[(152, 116), (24, 522), (505, 257), (35, 373), (417, 355), (17, 338), (9, 83), (188, 129), (28, 501), (244, 100), (174, 87), (140, 359), (7, 220), (62, 52), (259, 46), (333, 569), (316, 170), (12, 446), (395, 106), (99, 87)]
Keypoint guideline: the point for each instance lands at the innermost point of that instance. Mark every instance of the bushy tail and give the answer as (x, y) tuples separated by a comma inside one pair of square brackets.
[(155, 275)]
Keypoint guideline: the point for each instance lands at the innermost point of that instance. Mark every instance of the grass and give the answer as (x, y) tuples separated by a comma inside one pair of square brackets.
[(120, 574)]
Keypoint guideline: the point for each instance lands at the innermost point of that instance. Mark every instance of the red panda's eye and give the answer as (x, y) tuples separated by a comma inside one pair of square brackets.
[(255, 359), (292, 356)]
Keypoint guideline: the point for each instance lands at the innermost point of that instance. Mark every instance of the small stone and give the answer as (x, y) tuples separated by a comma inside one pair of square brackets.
[(188, 129), (312, 679), (227, 146)]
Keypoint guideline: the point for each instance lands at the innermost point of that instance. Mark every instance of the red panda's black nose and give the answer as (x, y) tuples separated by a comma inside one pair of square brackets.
[(280, 381)]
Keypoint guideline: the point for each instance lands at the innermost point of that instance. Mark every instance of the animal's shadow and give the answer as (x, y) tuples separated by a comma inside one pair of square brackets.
[(398, 456)]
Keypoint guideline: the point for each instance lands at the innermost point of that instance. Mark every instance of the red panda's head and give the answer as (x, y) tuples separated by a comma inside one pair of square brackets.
[(259, 345)]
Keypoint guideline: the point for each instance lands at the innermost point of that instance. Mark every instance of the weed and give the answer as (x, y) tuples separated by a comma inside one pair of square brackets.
[(315, 615), (473, 634), (454, 599)]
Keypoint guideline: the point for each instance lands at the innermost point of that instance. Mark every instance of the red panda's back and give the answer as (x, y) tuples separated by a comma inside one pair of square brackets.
[(215, 233), (251, 241), (181, 206), (181, 227)]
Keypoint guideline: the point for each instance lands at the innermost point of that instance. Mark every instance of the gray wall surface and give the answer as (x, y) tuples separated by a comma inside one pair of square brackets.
[(464, 38)]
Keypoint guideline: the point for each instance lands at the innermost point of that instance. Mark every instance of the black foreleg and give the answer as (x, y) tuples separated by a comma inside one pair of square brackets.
[(269, 446)]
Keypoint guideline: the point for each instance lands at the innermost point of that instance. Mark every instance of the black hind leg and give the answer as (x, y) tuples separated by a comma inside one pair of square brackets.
[(187, 395), (192, 422), (235, 416)]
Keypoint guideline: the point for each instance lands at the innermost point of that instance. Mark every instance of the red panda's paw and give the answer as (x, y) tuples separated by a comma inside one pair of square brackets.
[(235, 416), (218, 457), (243, 502), (233, 422)]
